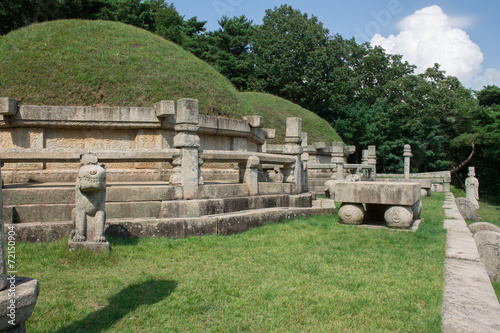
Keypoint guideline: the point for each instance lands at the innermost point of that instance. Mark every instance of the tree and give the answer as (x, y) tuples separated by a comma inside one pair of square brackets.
[(489, 95), (227, 49), (290, 53)]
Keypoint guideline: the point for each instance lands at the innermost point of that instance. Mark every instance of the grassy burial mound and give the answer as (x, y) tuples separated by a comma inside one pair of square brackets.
[(276, 109), (76, 62), (100, 63)]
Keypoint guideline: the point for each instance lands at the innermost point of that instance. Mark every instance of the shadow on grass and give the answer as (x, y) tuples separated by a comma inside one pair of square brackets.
[(126, 301)]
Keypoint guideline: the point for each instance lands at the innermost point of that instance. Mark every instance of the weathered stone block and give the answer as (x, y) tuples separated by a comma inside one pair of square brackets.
[(200, 227), (268, 201), (187, 111), (255, 121), (88, 245), (192, 208), (139, 209), (41, 232), (224, 191), (293, 127), (488, 246), (165, 109), (235, 204), (235, 224), (275, 188), (483, 226), (8, 106), (37, 213), (301, 200), (467, 209), (319, 145), (403, 194), (270, 133)]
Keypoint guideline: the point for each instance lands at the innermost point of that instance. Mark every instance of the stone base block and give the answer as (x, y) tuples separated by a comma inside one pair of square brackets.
[(41, 232), (92, 246), (26, 292), (301, 200)]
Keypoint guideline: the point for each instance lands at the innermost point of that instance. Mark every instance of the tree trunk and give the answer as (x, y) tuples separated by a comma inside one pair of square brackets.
[(461, 165)]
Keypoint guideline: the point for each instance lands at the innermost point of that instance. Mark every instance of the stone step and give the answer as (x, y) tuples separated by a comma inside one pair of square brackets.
[(43, 212), (223, 224)]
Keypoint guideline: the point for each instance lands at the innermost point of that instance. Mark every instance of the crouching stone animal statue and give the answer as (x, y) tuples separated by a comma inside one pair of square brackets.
[(89, 215)]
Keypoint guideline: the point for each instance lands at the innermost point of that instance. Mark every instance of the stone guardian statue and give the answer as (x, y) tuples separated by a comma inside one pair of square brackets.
[(472, 188), (89, 214)]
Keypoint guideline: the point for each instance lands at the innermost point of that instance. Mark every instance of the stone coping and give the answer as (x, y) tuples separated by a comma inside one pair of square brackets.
[(387, 193), (469, 301)]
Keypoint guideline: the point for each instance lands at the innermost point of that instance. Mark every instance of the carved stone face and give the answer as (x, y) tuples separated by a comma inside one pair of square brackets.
[(92, 178)]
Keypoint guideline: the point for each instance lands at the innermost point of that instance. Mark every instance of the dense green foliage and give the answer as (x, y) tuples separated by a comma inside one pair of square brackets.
[(305, 275), (156, 16)]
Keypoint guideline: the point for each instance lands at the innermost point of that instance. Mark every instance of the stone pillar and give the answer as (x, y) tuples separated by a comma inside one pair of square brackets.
[(304, 140), (447, 181), (18, 295), (293, 140), (251, 177), (305, 178), (407, 154), (364, 160), (187, 140), (372, 160), (338, 160), (364, 156), (472, 188)]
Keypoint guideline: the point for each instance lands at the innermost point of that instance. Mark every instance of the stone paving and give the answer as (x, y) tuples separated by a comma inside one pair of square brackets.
[(470, 303)]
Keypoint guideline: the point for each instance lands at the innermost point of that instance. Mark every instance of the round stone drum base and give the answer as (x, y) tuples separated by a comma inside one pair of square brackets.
[(398, 216), (351, 213)]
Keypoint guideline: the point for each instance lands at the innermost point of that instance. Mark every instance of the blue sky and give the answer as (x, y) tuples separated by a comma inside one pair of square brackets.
[(468, 47)]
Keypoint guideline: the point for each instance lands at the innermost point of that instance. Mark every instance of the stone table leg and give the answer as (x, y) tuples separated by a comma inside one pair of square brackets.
[(351, 213), (398, 216)]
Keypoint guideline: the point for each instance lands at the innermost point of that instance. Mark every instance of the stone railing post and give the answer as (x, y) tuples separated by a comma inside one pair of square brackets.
[(251, 177), (372, 160), (407, 154), (293, 140), (338, 160), (447, 181), (187, 166), (305, 178)]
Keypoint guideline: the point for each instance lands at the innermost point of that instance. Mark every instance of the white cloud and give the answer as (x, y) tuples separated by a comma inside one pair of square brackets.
[(489, 77), (430, 36)]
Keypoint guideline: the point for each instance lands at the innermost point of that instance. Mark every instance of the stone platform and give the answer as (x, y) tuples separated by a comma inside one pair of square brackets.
[(398, 204), (42, 212)]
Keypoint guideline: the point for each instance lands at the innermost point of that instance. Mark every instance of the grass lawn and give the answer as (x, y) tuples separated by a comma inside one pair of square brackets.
[(306, 275)]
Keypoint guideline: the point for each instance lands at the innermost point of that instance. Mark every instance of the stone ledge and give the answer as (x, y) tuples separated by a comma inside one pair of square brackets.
[(224, 224), (470, 303), (460, 245)]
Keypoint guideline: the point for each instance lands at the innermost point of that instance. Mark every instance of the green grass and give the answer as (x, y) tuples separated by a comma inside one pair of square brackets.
[(306, 275), (78, 62), (276, 109)]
